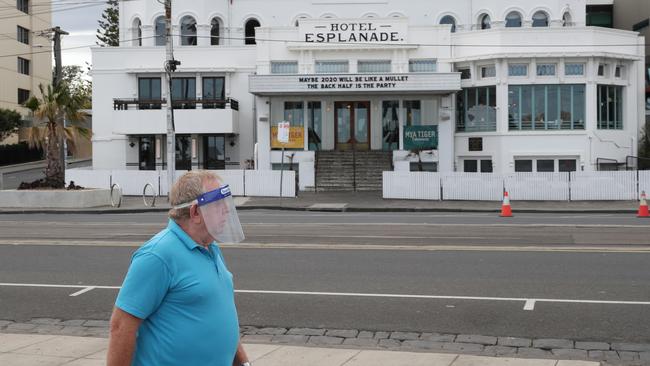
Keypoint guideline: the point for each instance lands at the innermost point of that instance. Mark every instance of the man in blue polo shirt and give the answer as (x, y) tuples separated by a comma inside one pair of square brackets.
[(177, 306)]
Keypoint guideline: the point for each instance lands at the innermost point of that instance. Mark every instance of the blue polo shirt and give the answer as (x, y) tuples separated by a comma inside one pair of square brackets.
[(184, 294)]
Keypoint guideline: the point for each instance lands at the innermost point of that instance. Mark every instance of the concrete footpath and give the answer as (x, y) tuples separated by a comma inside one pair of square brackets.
[(53, 350), (365, 202)]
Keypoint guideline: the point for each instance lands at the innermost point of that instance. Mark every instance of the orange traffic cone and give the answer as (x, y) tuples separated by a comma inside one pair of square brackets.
[(506, 210), (643, 206)]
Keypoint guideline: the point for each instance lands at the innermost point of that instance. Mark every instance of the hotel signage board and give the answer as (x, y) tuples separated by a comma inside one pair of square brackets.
[(369, 30), (354, 83)]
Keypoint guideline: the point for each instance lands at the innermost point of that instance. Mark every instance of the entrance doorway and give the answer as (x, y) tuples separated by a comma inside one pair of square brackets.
[(352, 127)]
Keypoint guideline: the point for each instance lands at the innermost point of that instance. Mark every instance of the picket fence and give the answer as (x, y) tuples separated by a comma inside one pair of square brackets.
[(251, 183), (574, 186)]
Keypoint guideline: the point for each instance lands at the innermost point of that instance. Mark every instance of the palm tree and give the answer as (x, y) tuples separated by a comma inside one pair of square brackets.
[(56, 106)]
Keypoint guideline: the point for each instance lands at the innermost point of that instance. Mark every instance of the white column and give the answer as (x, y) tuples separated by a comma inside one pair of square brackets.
[(263, 126), (203, 33), (446, 126), (148, 39)]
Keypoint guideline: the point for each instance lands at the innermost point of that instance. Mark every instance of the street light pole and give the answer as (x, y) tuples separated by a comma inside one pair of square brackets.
[(170, 66)]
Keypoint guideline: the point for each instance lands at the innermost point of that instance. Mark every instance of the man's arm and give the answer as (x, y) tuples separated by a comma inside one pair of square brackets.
[(240, 356), (121, 343)]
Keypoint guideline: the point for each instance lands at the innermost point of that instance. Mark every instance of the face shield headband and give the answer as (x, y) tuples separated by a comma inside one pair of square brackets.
[(218, 210)]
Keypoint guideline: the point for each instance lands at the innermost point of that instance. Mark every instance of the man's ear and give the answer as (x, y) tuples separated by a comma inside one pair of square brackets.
[(195, 215)]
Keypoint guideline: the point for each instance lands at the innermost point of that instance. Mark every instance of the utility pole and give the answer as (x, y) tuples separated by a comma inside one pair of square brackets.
[(170, 67), (57, 32), (58, 69)]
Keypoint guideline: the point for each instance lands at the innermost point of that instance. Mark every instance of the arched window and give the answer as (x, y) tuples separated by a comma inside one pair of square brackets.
[(160, 31), (448, 19), (137, 32), (567, 21), (513, 20), (214, 32), (484, 21), (540, 19), (300, 19), (188, 31), (249, 31)]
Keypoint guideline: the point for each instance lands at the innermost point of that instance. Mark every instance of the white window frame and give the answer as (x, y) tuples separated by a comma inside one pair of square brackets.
[(546, 64), (283, 62), (518, 65), (584, 67), (483, 71)]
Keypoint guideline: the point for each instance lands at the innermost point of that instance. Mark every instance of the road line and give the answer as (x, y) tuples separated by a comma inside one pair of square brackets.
[(529, 305), (528, 302), (369, 247), (83, 291)]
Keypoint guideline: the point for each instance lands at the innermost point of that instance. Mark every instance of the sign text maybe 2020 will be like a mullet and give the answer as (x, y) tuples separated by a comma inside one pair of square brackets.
[(354, 31)]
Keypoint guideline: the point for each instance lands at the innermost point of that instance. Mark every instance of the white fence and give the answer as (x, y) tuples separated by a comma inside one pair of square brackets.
[(412, 185), (132, 182), (574, 186)]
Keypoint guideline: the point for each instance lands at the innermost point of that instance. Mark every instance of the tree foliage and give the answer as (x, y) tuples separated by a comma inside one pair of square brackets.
[(644, 143), (10, 120), (56, 105), (76, 78), (108, 33)]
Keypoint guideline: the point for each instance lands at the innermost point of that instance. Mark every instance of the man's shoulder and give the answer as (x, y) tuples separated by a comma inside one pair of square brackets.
[(161, 245)]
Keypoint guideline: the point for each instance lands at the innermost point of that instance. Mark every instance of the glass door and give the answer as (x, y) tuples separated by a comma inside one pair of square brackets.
[(352, 125), (183, 157), (214, 148)]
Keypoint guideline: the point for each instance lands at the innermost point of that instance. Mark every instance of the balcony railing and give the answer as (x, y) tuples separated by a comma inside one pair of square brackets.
[(143, 104)]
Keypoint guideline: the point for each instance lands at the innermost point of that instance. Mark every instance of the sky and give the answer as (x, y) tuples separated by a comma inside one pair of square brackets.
[(82, 26)]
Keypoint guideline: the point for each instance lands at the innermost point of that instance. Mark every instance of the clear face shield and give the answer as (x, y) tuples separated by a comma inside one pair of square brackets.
[(220, 215)]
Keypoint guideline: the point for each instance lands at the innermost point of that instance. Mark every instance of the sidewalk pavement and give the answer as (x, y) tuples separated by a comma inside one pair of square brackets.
[(365, 202), (50, 350)]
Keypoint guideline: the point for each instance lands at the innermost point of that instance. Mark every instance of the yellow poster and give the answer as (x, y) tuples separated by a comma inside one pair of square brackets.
[(296, 138)]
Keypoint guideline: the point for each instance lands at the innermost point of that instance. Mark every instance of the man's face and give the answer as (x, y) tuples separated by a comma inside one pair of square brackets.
[(214, 214)]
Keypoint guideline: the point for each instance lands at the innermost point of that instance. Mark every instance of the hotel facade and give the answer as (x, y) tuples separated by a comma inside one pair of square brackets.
[(463, 86)]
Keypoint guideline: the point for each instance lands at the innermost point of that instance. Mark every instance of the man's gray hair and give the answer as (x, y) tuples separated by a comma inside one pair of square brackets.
[(186, 189)]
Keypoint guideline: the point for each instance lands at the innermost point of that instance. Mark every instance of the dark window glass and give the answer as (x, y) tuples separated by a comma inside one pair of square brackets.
[(390, 124), (23, 66), (149, 93), (137, 34), (610, 107), (513, 20), (485, 21), (249, 31), (545, 165), (22, 35), (160, 31), (475, 143), (413, 112), (315, 124), (476, 109), (23, 96), (23, 5), (183, 152), (214, 32), (600, 16), (465, 74), (567, 165), (486, 166), (523, 165), (540, 19), (184, 93), (147, 153), (294, 114), (470, 166), (213, 92), (546, 107), (214, 147), (188, 31), (448, 19)]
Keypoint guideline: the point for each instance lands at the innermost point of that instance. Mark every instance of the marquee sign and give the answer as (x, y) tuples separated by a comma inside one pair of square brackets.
[(353, 83), (393, 30)]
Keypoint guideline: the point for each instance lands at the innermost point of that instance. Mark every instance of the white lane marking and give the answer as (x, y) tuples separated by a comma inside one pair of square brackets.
[(90, 288), (529, 305), (362, 247), (528, 302)]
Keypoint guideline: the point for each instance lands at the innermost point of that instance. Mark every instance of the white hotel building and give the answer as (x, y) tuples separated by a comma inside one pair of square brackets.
[(503, 87)]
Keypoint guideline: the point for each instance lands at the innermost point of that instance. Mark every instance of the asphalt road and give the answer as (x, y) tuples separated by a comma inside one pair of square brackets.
[(532, 283)]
